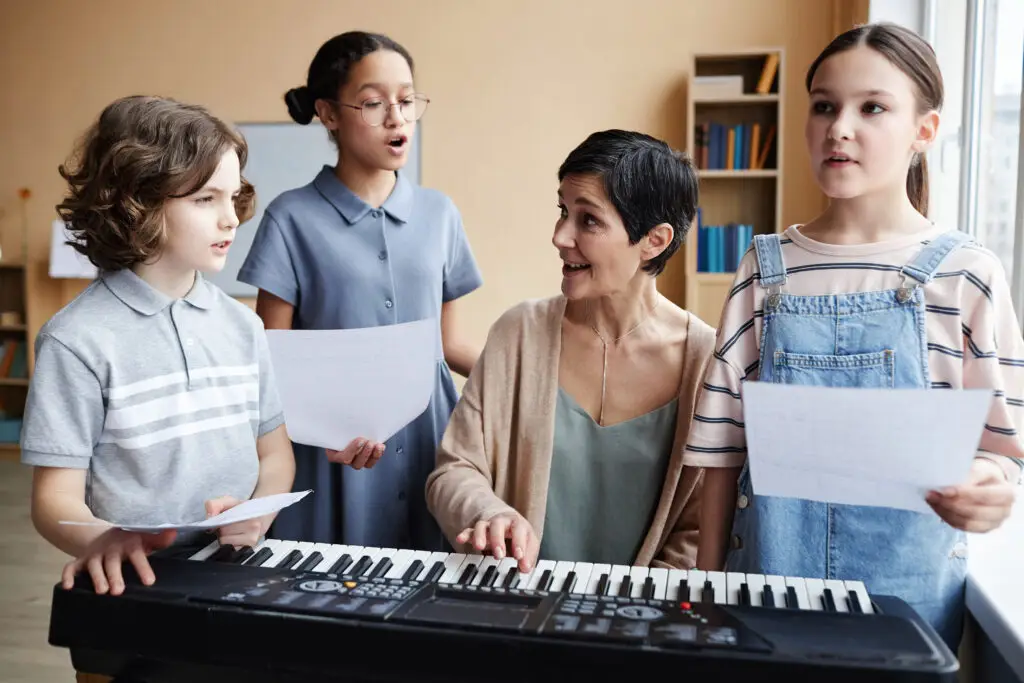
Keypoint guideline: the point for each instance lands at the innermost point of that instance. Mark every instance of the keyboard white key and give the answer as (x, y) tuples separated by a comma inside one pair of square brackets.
[(718, 583), (838, 590), (538, 573), (733, 581), (451, 567), (696, 578), (860, 589), (400, 561), (672, 584), (615, 578), (205, 552), (561, 571), (755, 585), (778, 586), (481, 570), (637, 578), (596, 572), (583, 571), (799, 587), (815, 594), (659, 577)]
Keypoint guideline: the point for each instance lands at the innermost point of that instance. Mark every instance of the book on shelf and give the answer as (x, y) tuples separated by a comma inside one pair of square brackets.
[(721, 247), (13, 359), (732, 148)]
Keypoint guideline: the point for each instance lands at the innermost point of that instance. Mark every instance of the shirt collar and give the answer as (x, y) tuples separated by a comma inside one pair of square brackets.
[(353, 209), (136, 293)]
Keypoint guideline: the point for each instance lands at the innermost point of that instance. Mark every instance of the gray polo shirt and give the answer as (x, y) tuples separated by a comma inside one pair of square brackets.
[(161, 400)]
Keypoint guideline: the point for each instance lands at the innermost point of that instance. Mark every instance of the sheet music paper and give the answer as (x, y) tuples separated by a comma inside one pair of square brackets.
[(880, 447), (248, 509), (337, 385)]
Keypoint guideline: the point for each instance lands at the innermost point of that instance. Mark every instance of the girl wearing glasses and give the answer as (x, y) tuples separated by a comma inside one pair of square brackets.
[(361, 246)]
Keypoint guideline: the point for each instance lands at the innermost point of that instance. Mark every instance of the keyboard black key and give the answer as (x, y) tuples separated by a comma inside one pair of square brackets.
[(435, 573), (243, 554), (290, 560), (626, 587), (222, 554), (414, 569), (261, 556), (792, 602), (684, 590), (360, 567), (512, 578), (708, 592), (602, 585), (830, 601), (545, 580), (569, 583), (341, 564), (490, 574), (311, 561), (381, 568), (648, 590), (744, 593), (854, 601), (768, 596), (467, 574)]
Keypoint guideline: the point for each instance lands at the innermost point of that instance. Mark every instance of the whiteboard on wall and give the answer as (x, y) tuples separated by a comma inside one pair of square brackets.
[(283, 156)]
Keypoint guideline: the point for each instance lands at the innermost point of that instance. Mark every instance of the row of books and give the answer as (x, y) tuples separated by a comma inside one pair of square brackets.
[(721, 247), (743, 146)]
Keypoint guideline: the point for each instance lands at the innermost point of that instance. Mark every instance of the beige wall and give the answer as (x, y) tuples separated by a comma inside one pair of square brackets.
[(515, 85)]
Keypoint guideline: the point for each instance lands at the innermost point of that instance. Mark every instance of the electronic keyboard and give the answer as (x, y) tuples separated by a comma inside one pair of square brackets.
[(291, 611)]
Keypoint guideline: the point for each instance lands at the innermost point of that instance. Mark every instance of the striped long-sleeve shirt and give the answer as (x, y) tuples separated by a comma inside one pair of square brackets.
[(974, 338)]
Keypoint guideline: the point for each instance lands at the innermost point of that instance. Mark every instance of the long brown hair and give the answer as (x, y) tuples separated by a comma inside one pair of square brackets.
[(912, 55)]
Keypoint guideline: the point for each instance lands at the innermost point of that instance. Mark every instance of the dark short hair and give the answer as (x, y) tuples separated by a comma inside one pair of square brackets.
[(139, 153), (329, 70), (647, 181)]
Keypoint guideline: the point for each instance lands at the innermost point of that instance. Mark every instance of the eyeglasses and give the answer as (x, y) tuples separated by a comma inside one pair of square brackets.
[(375, 111)]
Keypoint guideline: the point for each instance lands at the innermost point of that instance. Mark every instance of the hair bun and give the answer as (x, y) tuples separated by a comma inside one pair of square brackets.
[(300, 104)]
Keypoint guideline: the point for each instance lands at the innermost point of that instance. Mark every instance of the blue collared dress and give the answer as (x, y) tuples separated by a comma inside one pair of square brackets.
[(344, 264)]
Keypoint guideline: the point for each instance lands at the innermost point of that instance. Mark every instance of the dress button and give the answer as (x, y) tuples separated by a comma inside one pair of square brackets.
[(190, 342), (737, 542), (382, 255), (742, 501), (399, 450), (375, 213), (387, 302)]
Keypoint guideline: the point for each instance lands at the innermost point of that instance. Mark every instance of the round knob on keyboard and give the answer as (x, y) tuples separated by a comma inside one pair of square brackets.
[(319, 586), (640, 612)]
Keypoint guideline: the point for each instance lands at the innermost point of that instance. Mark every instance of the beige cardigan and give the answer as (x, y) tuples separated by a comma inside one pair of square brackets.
[(496, 450)]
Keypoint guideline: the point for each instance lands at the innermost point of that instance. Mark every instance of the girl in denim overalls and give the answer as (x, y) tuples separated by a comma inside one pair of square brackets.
[(869, 294)]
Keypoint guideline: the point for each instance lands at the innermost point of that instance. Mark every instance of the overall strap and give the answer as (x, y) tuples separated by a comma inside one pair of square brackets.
[(769, 260), (927, 261)]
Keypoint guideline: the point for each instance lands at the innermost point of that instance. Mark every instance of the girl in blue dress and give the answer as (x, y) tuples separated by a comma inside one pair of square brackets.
[(361, 246)]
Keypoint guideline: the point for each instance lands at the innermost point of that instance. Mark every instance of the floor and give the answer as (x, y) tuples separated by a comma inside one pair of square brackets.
[(29, 568)]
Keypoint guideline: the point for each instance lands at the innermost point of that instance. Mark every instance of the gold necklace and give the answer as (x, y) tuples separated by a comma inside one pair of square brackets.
[(604, 343)]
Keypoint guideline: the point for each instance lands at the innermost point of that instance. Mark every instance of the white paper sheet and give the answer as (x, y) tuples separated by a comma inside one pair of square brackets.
[(247, 509), (879, 447), (65, 260), (337, 385)]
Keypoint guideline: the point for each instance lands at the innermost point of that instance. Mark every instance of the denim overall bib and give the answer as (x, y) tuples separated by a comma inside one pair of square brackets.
[(867, 339)]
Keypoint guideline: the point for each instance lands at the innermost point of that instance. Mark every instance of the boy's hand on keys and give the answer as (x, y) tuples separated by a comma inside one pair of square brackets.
[(104, 557), (359, 453), (239, 534)]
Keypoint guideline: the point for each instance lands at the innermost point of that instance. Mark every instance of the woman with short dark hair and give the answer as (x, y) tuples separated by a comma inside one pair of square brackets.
[(567, 441)]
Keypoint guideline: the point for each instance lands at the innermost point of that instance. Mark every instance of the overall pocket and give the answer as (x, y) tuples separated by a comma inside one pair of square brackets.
[(874, 370)]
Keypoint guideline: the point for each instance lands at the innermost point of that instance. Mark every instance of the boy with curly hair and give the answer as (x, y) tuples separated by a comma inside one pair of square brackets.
[(153, 397)]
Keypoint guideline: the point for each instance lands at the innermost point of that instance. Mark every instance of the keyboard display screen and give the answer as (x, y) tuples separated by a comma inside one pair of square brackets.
[(475, 609)]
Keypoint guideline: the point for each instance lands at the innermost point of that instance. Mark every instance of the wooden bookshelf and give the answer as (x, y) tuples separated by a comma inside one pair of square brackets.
[(737, 186), (13, 327)]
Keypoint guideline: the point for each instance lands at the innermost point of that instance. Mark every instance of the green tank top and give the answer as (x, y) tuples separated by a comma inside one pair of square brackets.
[(605, 483)]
